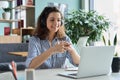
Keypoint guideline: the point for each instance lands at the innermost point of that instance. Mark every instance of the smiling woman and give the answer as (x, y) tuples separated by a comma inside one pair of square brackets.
[(50, 46)]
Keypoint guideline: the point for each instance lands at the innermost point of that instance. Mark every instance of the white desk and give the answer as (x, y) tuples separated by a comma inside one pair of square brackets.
[(51, 74)]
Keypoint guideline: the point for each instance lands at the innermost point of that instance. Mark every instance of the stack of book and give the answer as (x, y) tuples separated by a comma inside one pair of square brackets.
[(24, 2)]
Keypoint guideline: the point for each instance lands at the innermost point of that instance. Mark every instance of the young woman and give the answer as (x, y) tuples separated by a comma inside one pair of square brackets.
[(50, 46)]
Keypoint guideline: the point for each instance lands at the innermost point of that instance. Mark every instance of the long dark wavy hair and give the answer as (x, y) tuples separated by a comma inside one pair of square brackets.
[(41, 30)]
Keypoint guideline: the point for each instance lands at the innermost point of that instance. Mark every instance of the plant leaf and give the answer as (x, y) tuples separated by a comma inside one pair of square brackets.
[(115, 40), (104, 40)]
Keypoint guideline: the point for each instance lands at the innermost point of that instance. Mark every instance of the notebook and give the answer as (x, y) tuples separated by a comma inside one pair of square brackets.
[(94, 61)]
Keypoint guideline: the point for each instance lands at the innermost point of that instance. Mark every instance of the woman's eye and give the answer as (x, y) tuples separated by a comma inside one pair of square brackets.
[(51, 20), (59, 20)]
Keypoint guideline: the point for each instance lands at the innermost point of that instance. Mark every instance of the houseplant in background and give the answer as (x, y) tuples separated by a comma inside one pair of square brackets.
[(81, 23), (6, 13)]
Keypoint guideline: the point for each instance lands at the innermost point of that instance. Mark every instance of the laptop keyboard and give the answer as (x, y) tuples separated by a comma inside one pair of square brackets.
[(74, 74)]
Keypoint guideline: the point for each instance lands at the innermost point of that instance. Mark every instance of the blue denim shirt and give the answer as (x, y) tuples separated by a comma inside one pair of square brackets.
[(37, 47)]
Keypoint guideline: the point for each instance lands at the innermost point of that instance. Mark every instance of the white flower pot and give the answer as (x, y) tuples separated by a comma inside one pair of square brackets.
[(6, 15)]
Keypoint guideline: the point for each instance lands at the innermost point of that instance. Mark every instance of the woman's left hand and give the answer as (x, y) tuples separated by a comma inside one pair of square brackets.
[(68, 47)]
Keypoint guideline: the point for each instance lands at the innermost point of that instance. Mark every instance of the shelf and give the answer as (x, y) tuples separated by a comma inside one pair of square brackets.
[(8, 21), (10, 39), (27, 31), (28, 28), (23, 7), (23, 31), (6, 0)]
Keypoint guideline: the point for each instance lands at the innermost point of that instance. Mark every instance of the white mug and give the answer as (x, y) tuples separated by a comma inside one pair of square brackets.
[(30, 74)]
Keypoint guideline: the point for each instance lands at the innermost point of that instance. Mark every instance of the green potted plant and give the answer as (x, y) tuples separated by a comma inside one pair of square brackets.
[(81, 23), (6, 13)]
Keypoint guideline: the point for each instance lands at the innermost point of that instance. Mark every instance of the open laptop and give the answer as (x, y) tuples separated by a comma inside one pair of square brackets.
[(94, 61)]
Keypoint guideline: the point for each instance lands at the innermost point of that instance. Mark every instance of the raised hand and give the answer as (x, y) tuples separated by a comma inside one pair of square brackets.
[(61, 47)]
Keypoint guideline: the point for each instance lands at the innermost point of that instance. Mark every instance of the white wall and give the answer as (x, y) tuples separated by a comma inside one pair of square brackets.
[(105, 7)]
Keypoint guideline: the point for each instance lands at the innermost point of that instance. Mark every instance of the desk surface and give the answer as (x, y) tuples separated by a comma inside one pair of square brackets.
[(51, 74), (24, 54)]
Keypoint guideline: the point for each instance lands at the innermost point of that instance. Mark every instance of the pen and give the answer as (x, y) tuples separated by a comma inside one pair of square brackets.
[(12, 67)]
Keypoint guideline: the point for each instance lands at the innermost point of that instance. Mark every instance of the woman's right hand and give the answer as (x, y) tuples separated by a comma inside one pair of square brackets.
[(60, 47)]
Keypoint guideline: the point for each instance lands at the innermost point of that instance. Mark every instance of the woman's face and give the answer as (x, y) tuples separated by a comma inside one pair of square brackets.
[(54, 22)]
